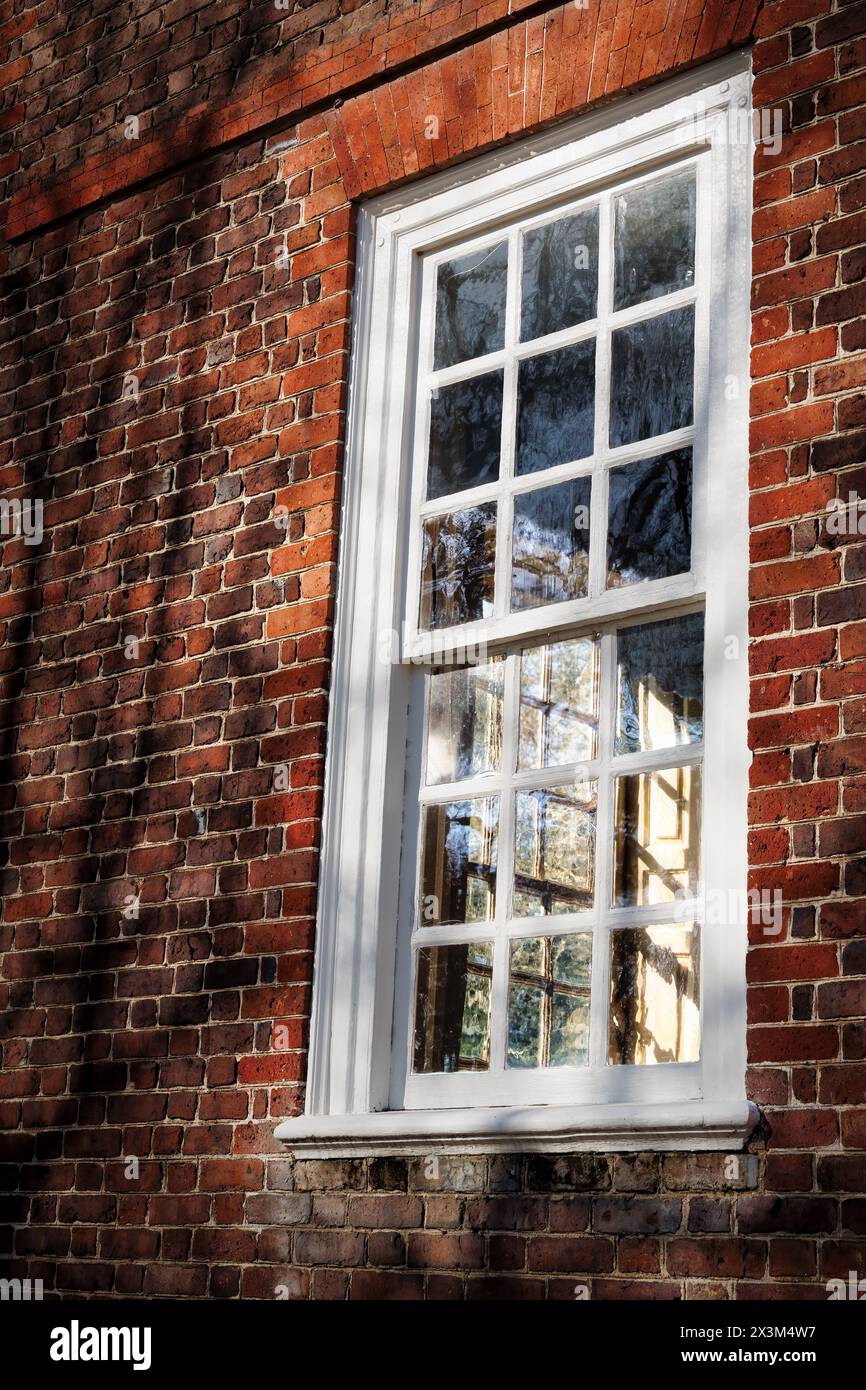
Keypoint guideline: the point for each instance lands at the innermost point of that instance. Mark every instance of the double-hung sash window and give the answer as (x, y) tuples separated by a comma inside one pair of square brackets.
[(534, 841)]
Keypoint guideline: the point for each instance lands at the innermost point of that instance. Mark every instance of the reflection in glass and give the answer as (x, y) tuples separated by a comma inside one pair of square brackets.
[(652, 375), (555, 407), (550, 547), (465, 428), (654, 251), (452, 1008), (658, 836), (654, 995), (650, 519), (660, 684), (458, 867), (470, 305), (560, 274), (548, 1001), (554, 850), (464, 724), (457, 567), (558, 703)]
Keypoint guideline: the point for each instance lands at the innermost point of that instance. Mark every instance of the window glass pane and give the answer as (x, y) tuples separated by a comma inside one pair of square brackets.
[(457, 567), (654, 248), (650, 519), (458, 872), (470, 305), (548, 1001), (658, 836), (550, 548), (555, 407), (654, 995), (452, 1008), (464, 725), (652, 371), (558, 703), (660, 684), (465, 428), (554, 850), (560, 274)]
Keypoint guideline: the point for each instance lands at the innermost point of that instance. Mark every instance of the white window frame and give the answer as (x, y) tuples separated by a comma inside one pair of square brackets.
[(353, 1100)]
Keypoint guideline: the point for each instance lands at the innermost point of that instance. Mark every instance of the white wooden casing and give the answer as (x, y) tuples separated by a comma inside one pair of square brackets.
[(361, 981)]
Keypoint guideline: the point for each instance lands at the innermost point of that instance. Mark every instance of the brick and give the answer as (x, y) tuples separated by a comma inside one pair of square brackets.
[(785, 285), (757, 1215), (717, 1257), (340, 1248), (571, 1254), (506, 1214), (841, 1172), (796, 1129), (385, 1211), (708, 1172), (792, 1259), (802, 727), (636, 1215), (447, 1174), (446, 1250), (709, 1215), (820, 571), (805, 962), (842, 1085), (579, 1172), (785, 1044)]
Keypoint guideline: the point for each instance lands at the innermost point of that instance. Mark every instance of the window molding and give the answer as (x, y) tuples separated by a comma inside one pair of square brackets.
[(349, 1067), (691, 1125)]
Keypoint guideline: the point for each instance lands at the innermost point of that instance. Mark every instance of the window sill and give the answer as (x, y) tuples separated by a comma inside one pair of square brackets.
[(531, 1129)]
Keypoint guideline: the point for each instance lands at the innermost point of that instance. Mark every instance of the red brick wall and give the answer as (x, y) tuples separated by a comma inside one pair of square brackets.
[(200, 517)]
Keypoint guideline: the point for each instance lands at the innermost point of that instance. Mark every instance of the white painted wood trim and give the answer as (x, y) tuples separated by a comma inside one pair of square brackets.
[(354, 975), (527, 1129)]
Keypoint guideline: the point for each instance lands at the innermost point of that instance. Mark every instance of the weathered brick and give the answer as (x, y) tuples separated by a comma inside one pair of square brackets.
[(636, 1215)]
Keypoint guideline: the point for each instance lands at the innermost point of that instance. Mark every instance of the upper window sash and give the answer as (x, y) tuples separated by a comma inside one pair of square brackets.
[(419, 641)]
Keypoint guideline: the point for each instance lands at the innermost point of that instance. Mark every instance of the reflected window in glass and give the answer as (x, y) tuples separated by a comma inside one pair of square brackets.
[(470, 306), (560, 274)]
